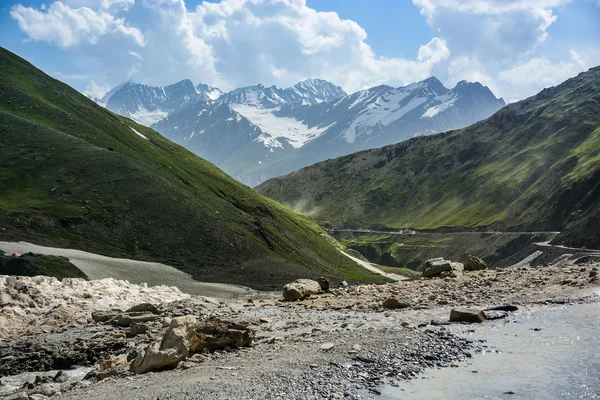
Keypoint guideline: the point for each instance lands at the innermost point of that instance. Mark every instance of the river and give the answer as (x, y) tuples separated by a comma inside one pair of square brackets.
[(543, 354)]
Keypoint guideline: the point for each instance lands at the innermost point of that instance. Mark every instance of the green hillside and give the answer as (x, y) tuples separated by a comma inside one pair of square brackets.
[(534, 165), (75, 175)]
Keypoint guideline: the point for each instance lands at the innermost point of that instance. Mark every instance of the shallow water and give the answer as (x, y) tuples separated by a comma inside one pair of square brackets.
[(560, 361)]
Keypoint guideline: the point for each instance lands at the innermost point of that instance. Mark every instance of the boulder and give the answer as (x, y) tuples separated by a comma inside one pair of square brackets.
[(173, 348), (440, 267), (467, 315), (394, 304), (155, 359), (492, 314), (127, 319), (300, 289), (457, 267), (475, 264), (324, 283), (435, 266), (103, 316), (180, 335), (214, 334), (144, 307)]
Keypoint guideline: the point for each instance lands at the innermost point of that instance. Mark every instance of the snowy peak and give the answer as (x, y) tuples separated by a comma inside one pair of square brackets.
[(310, 91), (314, 91), (149, 104)]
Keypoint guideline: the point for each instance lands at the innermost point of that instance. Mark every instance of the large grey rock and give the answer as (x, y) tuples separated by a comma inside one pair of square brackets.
[(474, 263), (435, 266), (467, 315), (300, 289), (492, 314), (104, 316), (155, 359), (214, 334), (127, 319), (144, 307), (394, 304), (457, 267), (324, 283), (173, 348)]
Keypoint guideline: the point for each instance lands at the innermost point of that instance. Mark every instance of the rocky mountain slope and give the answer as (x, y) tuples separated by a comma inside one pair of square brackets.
[(534, 166), (315, 120), (149, 104), (75, 175)]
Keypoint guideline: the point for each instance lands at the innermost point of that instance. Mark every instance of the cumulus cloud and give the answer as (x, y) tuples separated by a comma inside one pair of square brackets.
[(64, 26), (235, 43), (530, 77), (494, 30), (231, 43)]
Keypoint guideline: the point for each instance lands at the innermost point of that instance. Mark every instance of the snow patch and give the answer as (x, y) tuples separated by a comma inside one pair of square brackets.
[(380, 112), (296, 132), (49, 304), (139, 134), (446, 102), (147, 118)]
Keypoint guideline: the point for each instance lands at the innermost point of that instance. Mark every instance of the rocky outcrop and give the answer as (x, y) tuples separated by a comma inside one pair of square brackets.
[(300, 289), (469, 315), (474, 263), (186, 336)]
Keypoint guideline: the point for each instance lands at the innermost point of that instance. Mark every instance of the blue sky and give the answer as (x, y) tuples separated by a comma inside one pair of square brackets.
[(516, 47)]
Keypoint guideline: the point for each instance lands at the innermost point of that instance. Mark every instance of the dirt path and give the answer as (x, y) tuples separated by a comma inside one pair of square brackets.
[(371, 267), (99, 267)]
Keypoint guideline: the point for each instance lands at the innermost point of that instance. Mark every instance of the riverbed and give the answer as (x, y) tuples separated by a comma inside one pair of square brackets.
[(549, 353)]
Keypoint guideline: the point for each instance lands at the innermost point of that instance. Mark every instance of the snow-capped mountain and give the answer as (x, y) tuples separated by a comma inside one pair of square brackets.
[(149, 104), (310, 91), (287, 129)]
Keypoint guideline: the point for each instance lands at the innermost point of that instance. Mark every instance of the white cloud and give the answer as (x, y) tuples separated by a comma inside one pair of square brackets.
[(64, 26), (234, 43), (538, 73), (231, 43), (493, 30), (95, 90), (135, 54)]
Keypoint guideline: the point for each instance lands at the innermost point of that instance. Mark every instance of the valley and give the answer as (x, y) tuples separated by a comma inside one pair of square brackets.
[(220, 239)]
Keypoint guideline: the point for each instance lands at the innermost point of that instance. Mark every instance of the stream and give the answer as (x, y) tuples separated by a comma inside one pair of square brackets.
[(542, 354)]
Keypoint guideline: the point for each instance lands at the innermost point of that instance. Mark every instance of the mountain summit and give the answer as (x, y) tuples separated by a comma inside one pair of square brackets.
[(149, 104), (271, 131)]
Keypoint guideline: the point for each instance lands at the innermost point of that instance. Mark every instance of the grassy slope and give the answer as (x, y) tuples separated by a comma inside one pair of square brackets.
[(75, 175), (534, 165)]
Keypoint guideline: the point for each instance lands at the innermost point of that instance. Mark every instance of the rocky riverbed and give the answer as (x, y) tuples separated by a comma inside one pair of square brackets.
[(336, 344)]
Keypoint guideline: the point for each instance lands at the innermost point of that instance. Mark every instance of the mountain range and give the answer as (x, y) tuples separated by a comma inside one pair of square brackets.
[(76, 175), (256, 132), (149, 104), (532, 166)]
